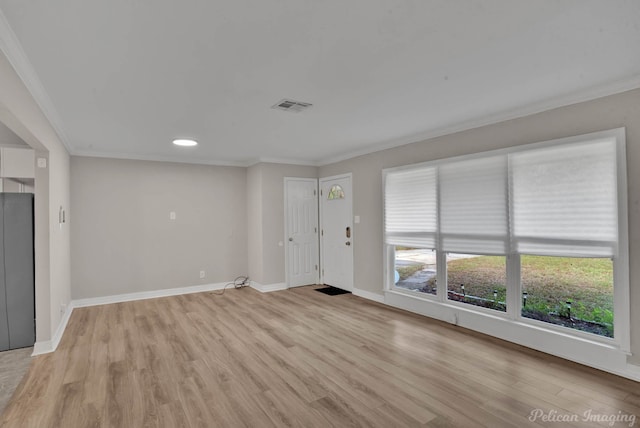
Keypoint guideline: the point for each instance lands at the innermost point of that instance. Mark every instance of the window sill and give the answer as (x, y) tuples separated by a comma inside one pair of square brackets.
[(603, 355)]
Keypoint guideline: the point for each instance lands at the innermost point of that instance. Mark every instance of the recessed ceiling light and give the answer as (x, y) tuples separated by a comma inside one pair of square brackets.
[(185, 143)]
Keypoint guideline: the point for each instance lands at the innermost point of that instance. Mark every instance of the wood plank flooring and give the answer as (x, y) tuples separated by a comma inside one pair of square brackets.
[(297, 358)]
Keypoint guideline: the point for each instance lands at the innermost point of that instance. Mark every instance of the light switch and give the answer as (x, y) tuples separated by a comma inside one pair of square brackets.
[(356, 219), (172, 215)]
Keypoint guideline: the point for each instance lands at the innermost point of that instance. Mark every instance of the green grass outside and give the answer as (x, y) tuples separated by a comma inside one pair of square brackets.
[(549, 281)]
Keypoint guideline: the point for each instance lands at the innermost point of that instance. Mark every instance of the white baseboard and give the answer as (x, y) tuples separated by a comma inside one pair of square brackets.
[(269, 287), (48, 346), (379, 298), (578, 350), (590, 353), (142, 295), (42, 347)]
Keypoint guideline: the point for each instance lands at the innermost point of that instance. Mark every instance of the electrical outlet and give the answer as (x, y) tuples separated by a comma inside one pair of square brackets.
[(201, 274), (63, 308)]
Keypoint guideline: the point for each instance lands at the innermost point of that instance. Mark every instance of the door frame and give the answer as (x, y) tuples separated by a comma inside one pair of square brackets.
[(286, 227), (348, 175)]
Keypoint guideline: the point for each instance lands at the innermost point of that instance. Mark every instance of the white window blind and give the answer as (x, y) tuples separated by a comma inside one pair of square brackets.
[(473, 206), (411, 207), (555, 200), (564, 200)]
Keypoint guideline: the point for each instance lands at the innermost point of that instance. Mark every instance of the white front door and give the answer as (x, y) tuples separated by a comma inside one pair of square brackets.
[(337, 231), (302, 231)]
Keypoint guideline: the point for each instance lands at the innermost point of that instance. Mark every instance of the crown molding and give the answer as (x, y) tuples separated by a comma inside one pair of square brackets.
[(592, 93), (156, 158), (159, 158), (12, 49), (15, 146), (16, 56), (284, 161)]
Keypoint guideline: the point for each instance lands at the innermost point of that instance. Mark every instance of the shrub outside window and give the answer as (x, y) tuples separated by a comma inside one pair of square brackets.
[(477, 280)]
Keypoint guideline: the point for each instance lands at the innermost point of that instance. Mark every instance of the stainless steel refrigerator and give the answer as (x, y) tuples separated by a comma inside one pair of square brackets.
[(17, 278)]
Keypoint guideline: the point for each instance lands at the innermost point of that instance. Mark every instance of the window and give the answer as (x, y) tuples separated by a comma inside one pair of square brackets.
[(569, 291), (415, 270), (335, 192), (473, 206), (533, 232), (564, 200), (477, 280), (411, 208)]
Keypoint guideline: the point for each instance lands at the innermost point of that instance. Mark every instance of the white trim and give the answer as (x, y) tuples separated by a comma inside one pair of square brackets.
[(268, 288), (18, 59), (142, 295), (285, 161), (621, 280), (335, 177), (195, 161), (617, 133), (588, 94), (14, 52), (286, 227), (321, 200), (48, 346), (595, 351), (11, 47), (591, 353), (155, 158), (576, 349), (14, 146), (621, 261), (379, 298), (44, 347)]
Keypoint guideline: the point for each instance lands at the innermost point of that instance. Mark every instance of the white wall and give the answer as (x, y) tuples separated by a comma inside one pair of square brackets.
[(21, 114), (59, 238), (122, 243), (123, 240), (229, 222), (254, 223)]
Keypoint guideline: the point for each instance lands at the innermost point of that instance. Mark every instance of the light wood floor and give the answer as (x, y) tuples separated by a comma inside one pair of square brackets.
[(296, 358)]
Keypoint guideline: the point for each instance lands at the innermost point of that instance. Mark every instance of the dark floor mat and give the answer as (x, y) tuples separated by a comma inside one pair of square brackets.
[(332, 291)]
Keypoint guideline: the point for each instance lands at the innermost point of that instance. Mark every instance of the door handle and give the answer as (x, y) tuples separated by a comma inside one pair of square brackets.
[(347, 243)]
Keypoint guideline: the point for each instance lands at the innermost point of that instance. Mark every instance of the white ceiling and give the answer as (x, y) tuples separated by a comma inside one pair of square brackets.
[(122, 78)]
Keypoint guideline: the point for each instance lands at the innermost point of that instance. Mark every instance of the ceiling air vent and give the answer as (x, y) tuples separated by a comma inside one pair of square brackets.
[(290, 105)]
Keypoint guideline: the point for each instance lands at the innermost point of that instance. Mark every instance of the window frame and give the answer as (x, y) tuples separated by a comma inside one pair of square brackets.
[(513, 314)]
